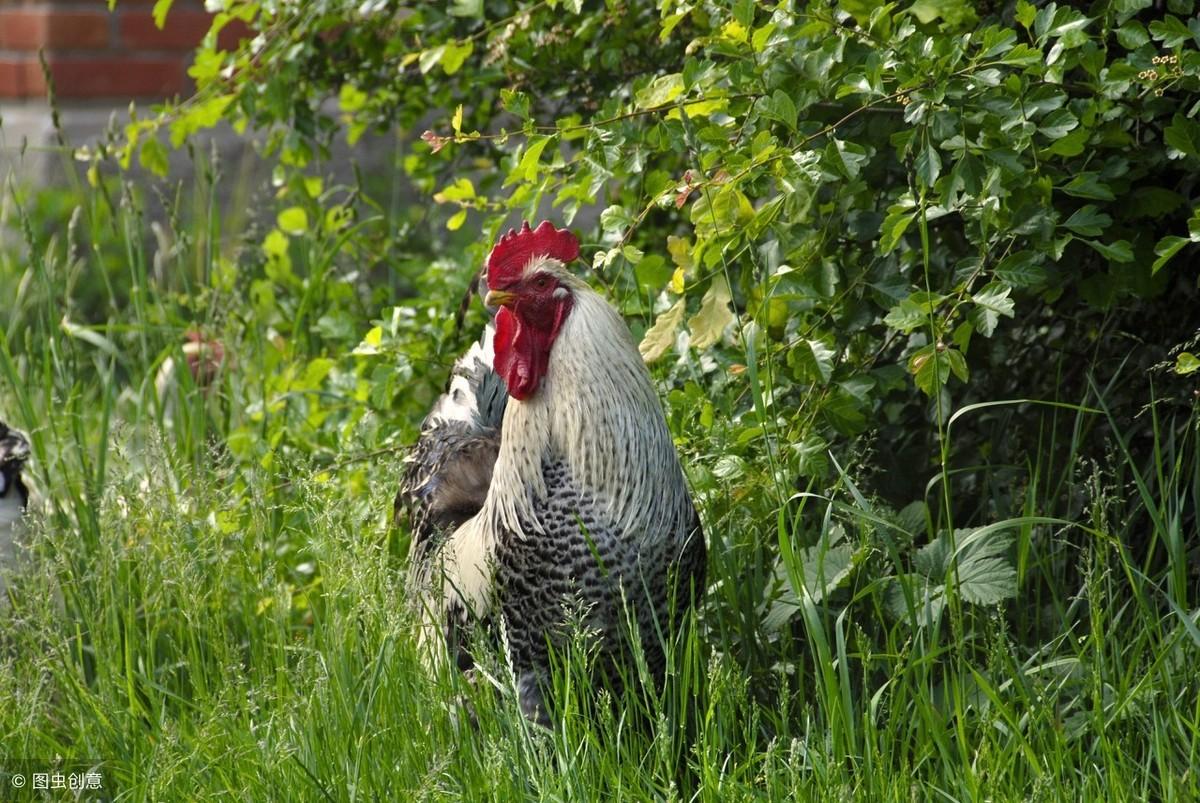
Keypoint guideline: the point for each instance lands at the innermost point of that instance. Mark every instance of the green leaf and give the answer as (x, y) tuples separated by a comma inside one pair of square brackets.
[(1120, 251), (161, 8), (461, 190), (1183, 135), (958, 364), (1187, 363), (351, 98), (153, 156), (720, 212), (729, 467), (660, 91), (709, 323), (527, 167), (652, 273), (824, 569), (780, 107), (1026, 13), (991, 303), (928, 165), (906, 316), (466, 8), (930, 368), (457, 220), (1070, 145), (1021, 269), (293, 220), (1132, 35), (1088, 221), (1171, 31), (811, 361), (1088, 185), (615, 219), (661, 336), (985, 576), (1058, 124), (894, 225), (1166, 248), (455, 54)]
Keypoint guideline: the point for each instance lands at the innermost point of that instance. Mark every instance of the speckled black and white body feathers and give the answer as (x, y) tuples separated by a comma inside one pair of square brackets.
[(587, 509)]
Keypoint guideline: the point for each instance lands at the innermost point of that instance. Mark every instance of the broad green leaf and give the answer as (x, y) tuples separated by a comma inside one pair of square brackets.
[(1187, 363), (615, 219), (1166, 248), (1183, 135), (930, 368), (527, 167), (780, 107), (709, 323), (457, 220), (1020, 269), (928, 165), (467, 8), (661, 336), (1088, 185), (1057, 124), (991, 303), (1088, 221), (153, 156), (370, 342), (660, 91), (652, 273), (985, 576), (351, 98), (811, 361), (824, 569), (293, 220), (461, 190), (720, 212), (729, 467), (455, 54), (894, 225), (1171, 31), (1120, 251), (907, 316)]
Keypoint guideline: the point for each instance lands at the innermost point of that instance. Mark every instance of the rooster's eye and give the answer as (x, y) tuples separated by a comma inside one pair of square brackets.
[(541, 282)]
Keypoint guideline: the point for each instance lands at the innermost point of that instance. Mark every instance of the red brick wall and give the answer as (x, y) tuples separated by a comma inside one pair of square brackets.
[(96, 54)]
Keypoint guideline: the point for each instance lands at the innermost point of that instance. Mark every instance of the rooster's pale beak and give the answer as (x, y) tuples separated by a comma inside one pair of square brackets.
[(499, 298)]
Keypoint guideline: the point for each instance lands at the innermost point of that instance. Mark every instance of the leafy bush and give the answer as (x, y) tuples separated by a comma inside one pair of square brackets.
[(916, 281)]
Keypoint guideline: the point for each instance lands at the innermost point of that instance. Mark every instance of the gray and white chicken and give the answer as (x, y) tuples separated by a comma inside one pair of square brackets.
[(545, 482), (14, 497)]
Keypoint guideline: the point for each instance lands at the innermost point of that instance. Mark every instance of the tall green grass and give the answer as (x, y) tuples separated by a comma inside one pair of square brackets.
[(214, 620)]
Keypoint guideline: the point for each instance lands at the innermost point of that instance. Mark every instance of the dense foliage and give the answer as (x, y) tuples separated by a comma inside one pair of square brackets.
[(917, 282)]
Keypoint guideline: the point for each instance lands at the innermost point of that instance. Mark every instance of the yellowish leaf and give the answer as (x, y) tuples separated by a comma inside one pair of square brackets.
[(677, 281), (715, 314), (680, 249), (661, 336)]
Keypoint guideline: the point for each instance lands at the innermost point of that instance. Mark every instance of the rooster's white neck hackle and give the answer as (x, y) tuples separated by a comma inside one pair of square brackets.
[(598, 411)]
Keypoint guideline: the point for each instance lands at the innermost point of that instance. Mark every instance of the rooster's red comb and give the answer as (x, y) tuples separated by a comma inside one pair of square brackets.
[(513, 251)]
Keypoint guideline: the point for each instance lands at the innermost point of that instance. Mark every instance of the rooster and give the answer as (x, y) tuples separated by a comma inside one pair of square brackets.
[(545, 480), (14, 496)]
